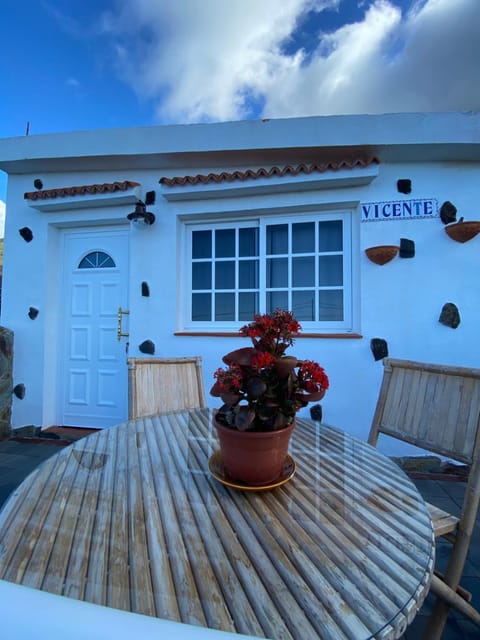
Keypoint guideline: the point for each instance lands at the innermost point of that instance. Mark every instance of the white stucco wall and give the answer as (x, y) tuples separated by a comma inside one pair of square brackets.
[(400, 301)]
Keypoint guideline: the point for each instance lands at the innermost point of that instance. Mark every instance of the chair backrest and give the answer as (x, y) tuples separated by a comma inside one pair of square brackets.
[(435, 407), (156, 385)]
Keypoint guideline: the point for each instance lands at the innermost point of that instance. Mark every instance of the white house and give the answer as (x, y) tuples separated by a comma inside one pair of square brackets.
[(248, 216)]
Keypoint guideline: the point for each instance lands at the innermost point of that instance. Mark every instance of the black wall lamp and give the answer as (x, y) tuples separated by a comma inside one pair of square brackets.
[(141, 214)]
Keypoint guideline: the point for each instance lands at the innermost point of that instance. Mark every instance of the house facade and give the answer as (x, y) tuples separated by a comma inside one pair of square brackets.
[(247, 217)]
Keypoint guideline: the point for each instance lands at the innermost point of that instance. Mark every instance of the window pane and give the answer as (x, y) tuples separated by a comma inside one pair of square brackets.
[(104, 260), (248, 274), (201, 244), (277, 300), (303, 272), (202, 275), (225, 275), (248, 306), (330, 305), (303, 237), (96, 260), (277, 238), (289, 262), (277, 272), (248, 242), (224, 306), (303, 305), (330, 236), (225, 243), (201, 306), (330, 271)]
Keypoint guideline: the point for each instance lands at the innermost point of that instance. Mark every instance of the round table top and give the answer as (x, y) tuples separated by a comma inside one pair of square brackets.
[(131, 517)]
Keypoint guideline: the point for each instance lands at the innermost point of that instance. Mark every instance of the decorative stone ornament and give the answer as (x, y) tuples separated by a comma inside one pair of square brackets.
[(19, 391), (382, 253), (316, 412), (150, 197), (26, 234), (448, 212), (404, 186), (450, 316), (379, 348), (148, 347), (407, 248)]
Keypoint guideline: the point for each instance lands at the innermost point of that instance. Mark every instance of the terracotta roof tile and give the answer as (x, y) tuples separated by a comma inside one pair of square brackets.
[(251, 174), (62, 192)]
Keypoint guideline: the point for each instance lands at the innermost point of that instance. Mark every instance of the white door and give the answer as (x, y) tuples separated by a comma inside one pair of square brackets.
[(93, 359)]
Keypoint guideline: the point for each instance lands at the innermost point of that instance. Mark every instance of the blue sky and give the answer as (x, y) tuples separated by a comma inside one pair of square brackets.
[(73, 65)]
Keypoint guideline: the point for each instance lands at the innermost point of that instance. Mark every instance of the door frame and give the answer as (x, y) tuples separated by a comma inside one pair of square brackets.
[(61, 295)]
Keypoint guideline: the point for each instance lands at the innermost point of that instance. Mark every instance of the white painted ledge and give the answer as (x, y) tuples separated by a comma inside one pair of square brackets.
[(29, 614)]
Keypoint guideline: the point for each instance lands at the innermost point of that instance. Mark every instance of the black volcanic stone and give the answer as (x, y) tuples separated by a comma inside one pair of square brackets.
[(26, 234), (404, 186), (407, 248), (450, 315), (448, 212), (148, 347), (19, 391), (379, 348)]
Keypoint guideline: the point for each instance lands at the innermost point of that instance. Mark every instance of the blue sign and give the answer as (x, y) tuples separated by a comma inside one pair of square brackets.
[(399, 210)]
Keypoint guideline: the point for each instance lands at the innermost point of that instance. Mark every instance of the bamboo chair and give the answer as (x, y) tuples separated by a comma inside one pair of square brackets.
[(437, 408), (157, 385)]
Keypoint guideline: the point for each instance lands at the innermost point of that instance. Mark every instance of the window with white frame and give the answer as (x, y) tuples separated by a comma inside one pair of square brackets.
[(300, 263)]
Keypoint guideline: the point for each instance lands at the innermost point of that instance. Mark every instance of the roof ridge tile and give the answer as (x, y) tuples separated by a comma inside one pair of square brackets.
[(62, 192), (263, 172)]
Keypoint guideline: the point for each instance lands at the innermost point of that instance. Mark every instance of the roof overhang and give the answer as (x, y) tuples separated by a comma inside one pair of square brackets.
[(391, 137)]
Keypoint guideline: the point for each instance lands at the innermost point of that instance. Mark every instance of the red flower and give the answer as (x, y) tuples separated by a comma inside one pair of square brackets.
[(262, 360), (272, 333), (228, 380), (312, 377)]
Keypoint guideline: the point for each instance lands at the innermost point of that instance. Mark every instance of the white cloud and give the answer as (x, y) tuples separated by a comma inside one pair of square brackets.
[(211, 60)]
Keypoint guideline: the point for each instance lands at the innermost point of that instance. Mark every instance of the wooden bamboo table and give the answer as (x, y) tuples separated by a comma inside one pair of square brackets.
[(131, 518)]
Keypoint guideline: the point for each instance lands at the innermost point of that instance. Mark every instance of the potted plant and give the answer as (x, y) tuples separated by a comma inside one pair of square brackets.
[(262, 389)]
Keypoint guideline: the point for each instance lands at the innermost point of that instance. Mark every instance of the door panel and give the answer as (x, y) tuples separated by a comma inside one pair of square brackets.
[(93, 361)]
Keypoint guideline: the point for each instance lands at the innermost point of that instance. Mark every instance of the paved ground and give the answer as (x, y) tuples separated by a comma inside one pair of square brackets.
[(448, 495), (19, 457)]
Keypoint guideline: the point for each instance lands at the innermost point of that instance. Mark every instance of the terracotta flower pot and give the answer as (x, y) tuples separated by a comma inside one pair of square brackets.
[(382, 254), (254, 457), (463, 231)]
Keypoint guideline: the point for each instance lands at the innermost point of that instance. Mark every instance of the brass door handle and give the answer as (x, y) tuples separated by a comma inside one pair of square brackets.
[(121, 312)]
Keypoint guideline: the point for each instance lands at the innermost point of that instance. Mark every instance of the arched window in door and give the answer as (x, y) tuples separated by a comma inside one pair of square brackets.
[(96, 260)]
